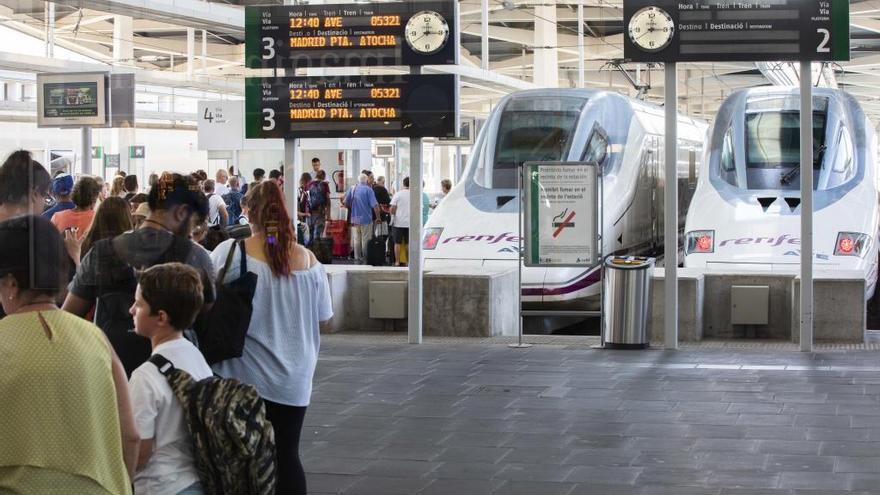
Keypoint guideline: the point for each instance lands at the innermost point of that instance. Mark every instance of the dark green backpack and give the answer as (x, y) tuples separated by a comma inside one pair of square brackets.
[(233, 442)]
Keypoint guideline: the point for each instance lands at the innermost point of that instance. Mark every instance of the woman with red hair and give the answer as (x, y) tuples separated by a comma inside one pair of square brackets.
[(291, 301)]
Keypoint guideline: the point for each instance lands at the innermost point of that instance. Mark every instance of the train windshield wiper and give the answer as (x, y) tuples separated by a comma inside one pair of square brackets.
[(786, 177), (817, 160)]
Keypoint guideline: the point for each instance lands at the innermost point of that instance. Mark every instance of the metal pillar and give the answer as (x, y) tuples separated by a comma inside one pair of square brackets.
[(581, 55), (86, 145), (670, 208), (484, 33), (291, 180), (414, 324), (806, 335)]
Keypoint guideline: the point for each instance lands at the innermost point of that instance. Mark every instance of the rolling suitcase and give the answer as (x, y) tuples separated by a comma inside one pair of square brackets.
[(323, 249), (376, 252)]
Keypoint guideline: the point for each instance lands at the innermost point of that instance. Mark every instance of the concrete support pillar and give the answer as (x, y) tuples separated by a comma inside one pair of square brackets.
[(484, 34), (123, 40), (50, 29), (204, 51), (581, 54), (190, 51), (546, 66)]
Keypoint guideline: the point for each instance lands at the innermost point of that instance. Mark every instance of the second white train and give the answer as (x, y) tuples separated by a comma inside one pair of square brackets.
[(745, 215)]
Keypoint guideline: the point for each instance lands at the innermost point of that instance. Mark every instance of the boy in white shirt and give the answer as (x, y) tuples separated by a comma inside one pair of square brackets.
[(167, 300)]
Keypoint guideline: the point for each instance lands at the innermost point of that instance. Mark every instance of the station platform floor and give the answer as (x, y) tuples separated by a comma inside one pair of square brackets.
[(473, 416)]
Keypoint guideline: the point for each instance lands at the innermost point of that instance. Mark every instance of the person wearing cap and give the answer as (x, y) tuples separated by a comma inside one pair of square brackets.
[(140, 214), (62, 187), (108, 269), (24, 186), (66, 420)]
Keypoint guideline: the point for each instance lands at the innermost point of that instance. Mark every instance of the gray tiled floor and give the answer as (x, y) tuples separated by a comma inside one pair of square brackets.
[(461, 418)]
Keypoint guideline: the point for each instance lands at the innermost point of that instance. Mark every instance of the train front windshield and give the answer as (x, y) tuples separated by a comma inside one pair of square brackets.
[(773, 139), (530, 129)]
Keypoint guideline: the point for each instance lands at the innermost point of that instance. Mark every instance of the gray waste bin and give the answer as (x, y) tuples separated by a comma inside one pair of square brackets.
[(627, 294)]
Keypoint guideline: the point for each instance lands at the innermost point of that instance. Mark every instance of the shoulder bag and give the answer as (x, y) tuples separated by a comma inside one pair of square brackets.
[(222, 331)]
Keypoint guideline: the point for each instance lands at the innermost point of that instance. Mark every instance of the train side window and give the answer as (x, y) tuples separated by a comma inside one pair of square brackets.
[(597, 147), (843, 160), (728, 164)]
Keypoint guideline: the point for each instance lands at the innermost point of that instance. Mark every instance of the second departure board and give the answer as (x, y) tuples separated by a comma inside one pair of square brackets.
[(351, 106), (414, 33), (735, 30)]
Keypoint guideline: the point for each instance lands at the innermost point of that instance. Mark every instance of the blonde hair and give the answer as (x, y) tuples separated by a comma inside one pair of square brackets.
[(118, 186)]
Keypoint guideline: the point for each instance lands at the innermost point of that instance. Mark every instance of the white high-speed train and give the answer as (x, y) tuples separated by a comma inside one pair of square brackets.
[(477, 224), (745, 214)]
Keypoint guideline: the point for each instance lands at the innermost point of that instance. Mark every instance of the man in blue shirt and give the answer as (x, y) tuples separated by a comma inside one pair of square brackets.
[(62, 187), (361, 200)]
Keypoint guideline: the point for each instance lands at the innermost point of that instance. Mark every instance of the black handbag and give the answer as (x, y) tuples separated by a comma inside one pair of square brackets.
[(221, 332)]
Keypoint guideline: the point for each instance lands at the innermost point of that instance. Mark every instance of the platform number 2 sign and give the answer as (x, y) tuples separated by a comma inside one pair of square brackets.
[(823, 45)]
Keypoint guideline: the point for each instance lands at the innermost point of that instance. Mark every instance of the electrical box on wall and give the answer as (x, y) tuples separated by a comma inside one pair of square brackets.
[(388, 300), (749, 304)]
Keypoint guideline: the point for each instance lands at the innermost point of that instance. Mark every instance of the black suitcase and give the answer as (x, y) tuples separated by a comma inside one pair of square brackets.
[(376, 252), (323, 249)]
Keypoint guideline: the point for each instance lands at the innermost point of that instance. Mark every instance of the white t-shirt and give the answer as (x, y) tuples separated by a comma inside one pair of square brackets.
[(159, 416), (401, 200), (284, 337), (220, 189), (214, 203)]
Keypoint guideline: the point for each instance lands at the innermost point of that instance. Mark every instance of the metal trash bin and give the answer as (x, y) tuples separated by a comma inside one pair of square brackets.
[(627, 300)]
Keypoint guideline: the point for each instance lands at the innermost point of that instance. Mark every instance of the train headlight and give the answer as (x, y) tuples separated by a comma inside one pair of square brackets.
[(700, 241), (851, 244), (432, 237)]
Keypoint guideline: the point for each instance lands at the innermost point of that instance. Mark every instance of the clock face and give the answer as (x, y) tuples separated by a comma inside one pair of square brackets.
[(651, 29), (427, 32)]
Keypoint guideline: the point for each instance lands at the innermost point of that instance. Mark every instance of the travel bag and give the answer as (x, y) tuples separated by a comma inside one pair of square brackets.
[(376, 252)]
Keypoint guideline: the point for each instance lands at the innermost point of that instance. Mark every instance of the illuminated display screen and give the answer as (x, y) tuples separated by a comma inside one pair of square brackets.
[(70, 99), (351, 35), (356, 106)]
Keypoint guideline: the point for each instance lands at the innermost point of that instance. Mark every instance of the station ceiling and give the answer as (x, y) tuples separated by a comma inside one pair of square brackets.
[(160, 45)]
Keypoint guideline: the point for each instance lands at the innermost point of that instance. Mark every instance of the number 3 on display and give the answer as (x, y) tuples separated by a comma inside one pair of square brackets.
[(268, 48), (823, 45), (269, 119)]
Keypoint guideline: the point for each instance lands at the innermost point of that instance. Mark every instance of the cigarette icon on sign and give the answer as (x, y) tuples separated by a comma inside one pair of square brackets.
[(563, 224)]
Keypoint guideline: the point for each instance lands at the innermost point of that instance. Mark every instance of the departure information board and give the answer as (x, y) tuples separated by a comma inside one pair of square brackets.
[(356, 106), (722, 30), (414, 33)]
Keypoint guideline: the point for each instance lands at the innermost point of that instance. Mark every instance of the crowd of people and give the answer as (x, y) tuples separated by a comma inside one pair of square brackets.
[(371, 212), (95, 286)]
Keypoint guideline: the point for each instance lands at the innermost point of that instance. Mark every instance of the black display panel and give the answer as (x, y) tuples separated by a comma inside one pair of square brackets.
[(726, 30), (414, 33), (350, 106)]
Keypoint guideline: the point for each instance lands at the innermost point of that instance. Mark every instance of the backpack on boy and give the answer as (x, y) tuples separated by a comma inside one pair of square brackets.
[(317, 193), (232, 441), (115, 298)]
